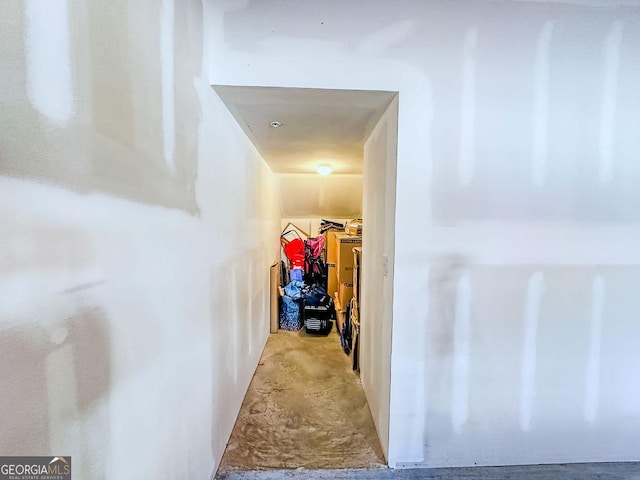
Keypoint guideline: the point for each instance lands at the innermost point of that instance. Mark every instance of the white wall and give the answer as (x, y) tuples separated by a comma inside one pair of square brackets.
[(137, 224), (311, 195), (516, 252), (376, 305)]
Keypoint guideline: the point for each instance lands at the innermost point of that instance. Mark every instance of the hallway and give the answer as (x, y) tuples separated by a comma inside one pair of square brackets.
[(151, 153), (304, 408)]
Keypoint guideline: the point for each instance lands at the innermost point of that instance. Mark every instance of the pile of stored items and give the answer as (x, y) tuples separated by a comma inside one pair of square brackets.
[(304, 298), (344, 254), (320, 277)]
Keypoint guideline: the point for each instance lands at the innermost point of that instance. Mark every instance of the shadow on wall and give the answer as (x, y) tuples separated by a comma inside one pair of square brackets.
[(223, 299), (55, 380), (240, 297), (92, 96), (445, 278)]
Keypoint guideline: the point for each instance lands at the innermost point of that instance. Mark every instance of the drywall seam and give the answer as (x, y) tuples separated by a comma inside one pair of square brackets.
[(592, 380), (461, 355), (167, 21), (606, 143), (49, 82), (535, 289), (540, 146), (468, 108)]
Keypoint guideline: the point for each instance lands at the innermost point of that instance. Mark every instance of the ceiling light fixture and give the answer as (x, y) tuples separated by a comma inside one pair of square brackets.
[(324, 169), (275, 124)]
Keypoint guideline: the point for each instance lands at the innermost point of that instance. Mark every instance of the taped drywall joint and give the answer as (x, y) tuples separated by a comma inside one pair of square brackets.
[(539, 148), (611, 47), (461, 354), (466, 161), (592, 381)]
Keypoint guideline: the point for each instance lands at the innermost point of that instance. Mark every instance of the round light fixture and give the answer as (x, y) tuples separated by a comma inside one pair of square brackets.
[(275, 124), (324, 169)]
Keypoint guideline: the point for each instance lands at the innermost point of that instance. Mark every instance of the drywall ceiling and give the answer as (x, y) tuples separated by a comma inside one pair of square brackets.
[(318, 126)]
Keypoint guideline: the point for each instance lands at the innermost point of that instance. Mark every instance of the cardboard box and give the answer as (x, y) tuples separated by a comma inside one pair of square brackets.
[(330, 247), (354, 227), (332, 280), (344, 255), (345, 294)]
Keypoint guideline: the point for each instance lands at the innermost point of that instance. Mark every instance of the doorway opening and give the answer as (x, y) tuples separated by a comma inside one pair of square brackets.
[(307, 406)]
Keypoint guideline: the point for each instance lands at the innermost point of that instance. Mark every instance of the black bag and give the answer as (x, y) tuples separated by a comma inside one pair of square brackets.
[(346, 335), (316, 325), (327, 225), (318, 311), (315, 269), (284, 274)]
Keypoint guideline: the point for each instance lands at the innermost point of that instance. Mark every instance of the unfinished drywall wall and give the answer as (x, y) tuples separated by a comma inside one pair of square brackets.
[(76, 89), (376, 305), (310, 195), (516, 257), (137, 224)]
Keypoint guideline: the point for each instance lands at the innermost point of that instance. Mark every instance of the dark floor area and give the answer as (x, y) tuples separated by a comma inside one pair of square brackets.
[(580, 471)]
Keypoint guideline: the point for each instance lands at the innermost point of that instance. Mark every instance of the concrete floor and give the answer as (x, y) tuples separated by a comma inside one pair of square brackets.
[(305, 407), (305, 416), (581, 471)]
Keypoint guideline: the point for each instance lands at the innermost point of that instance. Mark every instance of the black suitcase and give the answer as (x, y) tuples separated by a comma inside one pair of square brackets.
[(318, 311), (318, 319)]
